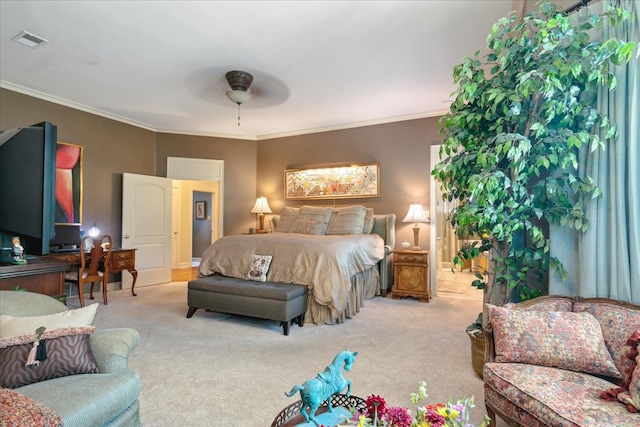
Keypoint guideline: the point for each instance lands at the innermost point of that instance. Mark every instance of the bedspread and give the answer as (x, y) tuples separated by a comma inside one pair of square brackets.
[(324, 263)]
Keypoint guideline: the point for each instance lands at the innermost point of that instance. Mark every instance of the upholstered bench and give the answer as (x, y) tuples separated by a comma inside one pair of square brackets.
[(266, 300)]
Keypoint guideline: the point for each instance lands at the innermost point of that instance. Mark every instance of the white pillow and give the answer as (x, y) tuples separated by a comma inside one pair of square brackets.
[(15, 326)]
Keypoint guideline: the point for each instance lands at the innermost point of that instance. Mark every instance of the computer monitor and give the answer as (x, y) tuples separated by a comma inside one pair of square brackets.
[(67, 236)]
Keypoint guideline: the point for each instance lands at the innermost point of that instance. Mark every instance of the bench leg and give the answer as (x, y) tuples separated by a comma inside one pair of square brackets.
[(300, 320), (285, 327), (191, 311)]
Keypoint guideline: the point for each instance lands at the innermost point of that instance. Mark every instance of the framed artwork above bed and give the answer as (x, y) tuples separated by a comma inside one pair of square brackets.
[(350, 181)]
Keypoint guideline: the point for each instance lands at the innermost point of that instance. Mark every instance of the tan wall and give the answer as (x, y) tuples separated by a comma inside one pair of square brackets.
[(109, 149), (239, 171), (401, 148), (112, 148), (251, 168)]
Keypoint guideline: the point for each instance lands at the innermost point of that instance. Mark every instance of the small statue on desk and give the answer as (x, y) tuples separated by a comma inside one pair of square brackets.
[(17, 251)]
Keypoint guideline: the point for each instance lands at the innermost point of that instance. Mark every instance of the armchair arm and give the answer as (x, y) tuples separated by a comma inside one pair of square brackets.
[(111, 348)]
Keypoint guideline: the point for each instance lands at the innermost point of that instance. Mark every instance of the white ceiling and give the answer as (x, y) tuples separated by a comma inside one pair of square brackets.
[(317, 65)]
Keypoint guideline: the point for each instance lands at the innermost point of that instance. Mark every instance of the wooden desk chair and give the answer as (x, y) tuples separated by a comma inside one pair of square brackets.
[(94, 266)]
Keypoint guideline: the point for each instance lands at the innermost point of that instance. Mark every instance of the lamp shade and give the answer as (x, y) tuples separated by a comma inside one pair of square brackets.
[(239, 96), (93, 231), (415, 214), (261, 206)]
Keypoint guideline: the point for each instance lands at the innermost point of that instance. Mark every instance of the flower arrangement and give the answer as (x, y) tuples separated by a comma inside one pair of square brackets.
[(379, 414)]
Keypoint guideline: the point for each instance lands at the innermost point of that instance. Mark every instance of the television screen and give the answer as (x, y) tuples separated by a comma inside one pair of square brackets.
[(27, 174)]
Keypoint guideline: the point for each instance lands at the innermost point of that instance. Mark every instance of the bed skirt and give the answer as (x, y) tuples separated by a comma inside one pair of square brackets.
[(364, 285)]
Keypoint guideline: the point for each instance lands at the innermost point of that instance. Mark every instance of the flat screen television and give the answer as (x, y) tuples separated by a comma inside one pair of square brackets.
[(28, 182)]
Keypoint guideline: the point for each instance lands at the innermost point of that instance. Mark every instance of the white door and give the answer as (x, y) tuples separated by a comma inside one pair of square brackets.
[(146, 226), (175, 227)]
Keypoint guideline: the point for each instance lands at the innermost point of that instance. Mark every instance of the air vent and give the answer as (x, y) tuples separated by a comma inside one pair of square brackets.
[(29, 39)]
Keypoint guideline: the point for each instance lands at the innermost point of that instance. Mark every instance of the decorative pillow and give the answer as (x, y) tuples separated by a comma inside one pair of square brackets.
[(564, 340), (618, 323), (13, 326), (67, 353), (301, 226), (287, 216), (259, 267), (19, 410), (347, 220), (316, 213), (367, 227), (629, 392)]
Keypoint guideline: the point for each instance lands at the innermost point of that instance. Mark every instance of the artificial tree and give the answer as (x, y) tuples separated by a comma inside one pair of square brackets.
[(511, 141)]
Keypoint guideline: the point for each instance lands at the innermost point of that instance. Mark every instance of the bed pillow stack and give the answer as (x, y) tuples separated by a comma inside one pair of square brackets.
[(326, 220)]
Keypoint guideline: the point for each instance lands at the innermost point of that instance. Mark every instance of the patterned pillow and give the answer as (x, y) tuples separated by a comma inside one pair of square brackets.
[(19, 410), (68, 353), (301, 226), (631, 395), (287, 216), (347, 220), (618, 324), (13, 326), (564, 340), (259, 267)]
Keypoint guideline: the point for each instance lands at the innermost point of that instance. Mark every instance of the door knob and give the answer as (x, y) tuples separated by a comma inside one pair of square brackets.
[(126, 236)]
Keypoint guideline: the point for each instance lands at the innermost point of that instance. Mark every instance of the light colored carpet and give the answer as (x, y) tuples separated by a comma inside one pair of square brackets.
[(222, 370)]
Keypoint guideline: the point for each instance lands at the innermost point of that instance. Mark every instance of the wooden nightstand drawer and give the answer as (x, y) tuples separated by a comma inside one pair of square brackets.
[(411, 257)]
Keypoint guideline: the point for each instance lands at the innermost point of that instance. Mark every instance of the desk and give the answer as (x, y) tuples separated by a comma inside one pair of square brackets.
[(42, 275), (121, 259)]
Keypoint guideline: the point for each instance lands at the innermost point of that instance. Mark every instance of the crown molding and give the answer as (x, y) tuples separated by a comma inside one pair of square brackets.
[(65, 102), (61, 101)]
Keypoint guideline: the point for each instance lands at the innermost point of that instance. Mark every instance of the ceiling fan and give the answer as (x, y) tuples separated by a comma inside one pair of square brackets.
[(240, 82)]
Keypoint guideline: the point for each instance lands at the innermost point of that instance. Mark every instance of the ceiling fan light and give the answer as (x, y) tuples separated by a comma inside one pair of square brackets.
[(239, 96)]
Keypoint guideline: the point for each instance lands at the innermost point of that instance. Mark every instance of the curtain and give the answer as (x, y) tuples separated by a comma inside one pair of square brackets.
[(605, 260)]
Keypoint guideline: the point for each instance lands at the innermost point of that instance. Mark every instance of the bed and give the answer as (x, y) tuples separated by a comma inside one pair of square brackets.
[(320, 248)]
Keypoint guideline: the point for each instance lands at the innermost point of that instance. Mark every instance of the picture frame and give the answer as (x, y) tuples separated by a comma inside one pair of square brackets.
[(346, 181), (201, 210), (69, 184)]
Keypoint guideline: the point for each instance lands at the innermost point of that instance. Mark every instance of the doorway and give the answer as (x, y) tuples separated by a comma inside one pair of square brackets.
[(445, 278)]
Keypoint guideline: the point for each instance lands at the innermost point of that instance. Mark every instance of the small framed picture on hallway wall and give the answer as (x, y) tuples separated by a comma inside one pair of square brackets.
[(201, 210)]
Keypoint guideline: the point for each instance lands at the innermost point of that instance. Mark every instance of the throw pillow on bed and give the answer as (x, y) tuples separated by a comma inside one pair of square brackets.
[(367, 228), (68, 352), (565, 340), (347, 220), (287, 216), (259, 267), (301, 226)]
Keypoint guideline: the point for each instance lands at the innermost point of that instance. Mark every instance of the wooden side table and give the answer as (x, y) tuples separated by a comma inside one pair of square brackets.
[(411, 275)]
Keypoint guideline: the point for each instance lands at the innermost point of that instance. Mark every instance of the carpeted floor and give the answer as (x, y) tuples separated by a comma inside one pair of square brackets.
[(222, 370)]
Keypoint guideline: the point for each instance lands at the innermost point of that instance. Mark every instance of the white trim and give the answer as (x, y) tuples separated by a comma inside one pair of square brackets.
[(61, 101), (65, 102), (433, 244)]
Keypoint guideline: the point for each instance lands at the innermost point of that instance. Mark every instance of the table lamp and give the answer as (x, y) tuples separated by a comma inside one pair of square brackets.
[(416, 215), (261, 207)]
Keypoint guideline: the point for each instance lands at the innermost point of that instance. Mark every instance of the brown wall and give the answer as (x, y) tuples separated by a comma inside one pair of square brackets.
[(251, 168), (239, 172), (109, 149), (401, 148)]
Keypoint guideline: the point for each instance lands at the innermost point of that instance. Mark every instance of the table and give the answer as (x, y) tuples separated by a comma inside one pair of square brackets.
[(291, 416), (411, 274), (121, 259), (42, 275)]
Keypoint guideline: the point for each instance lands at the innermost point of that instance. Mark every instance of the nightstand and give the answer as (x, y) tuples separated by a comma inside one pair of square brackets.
[(411, 275), (257, 232)]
